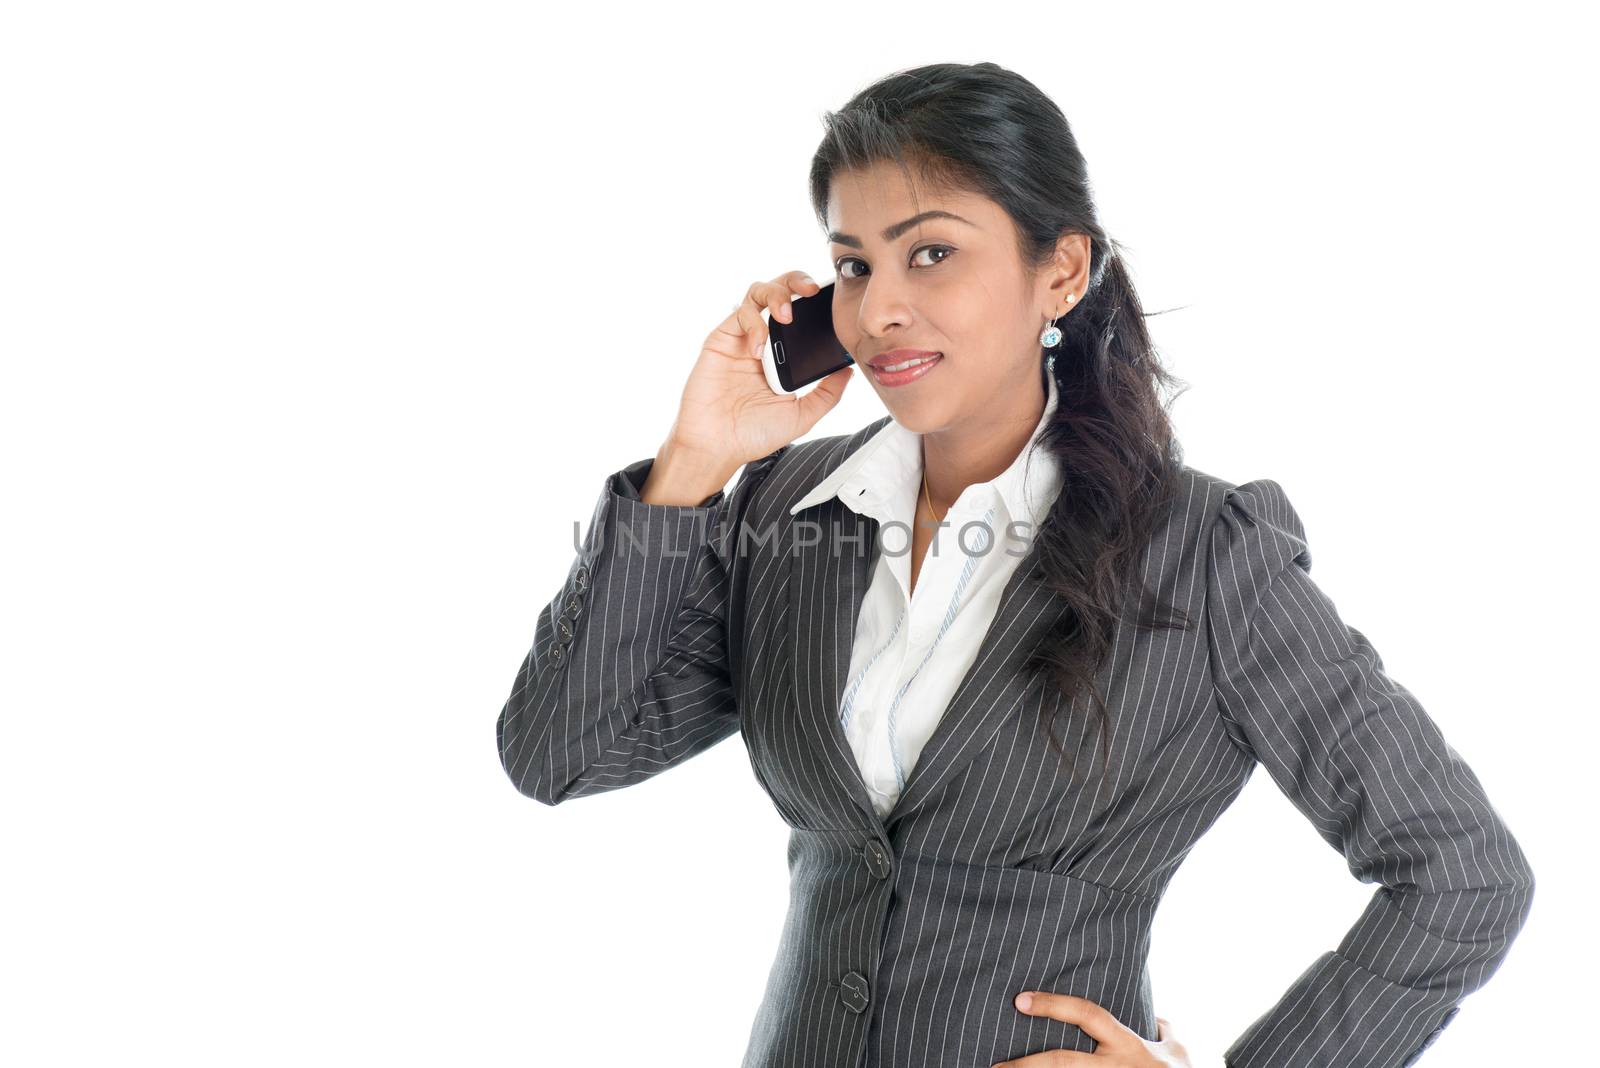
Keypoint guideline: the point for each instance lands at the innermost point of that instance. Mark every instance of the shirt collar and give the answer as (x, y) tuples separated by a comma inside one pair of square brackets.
[(887, 470)]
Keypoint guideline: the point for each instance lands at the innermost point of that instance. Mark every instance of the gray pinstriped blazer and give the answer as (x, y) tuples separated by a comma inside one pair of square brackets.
[(907, 937)]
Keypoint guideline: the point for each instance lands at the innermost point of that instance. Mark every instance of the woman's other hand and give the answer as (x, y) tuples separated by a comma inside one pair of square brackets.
[(728, 415), (1117, 1044)]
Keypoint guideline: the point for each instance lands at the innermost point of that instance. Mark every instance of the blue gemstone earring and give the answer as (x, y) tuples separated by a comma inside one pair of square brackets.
[(1052, 333)]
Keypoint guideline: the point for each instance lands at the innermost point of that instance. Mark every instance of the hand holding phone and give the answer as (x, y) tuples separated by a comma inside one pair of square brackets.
[(729, 413), (805, 349)]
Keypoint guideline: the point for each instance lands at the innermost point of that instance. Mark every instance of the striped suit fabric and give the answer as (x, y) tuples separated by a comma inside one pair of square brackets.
[(999, 870)]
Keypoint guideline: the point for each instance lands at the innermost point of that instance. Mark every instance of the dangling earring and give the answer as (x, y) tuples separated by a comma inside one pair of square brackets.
[(1052, 333)]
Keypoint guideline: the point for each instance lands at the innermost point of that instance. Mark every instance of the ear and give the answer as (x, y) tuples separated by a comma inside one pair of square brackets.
[(1068, 273)]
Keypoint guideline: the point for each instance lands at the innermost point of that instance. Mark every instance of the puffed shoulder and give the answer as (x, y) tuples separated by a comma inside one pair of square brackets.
[(1256, 534)]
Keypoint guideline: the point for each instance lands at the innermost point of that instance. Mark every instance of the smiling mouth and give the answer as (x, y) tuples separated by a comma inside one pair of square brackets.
[(904, 372), (905, 364)]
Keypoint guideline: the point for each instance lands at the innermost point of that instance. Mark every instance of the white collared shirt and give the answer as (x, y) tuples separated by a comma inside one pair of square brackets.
[(912, 651)]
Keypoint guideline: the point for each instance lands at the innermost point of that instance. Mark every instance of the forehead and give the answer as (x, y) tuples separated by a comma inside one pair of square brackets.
[(864, 201)]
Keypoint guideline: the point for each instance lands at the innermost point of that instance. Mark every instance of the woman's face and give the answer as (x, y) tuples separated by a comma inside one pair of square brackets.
[(954, 286)]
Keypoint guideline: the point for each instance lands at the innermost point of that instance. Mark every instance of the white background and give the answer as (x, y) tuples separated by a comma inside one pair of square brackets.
[(324, 322)]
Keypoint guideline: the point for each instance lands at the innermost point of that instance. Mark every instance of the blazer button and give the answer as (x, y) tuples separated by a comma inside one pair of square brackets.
[(574, 605), (853, 991), (558, 653), (877, 859), (581, 579), (564, 630)]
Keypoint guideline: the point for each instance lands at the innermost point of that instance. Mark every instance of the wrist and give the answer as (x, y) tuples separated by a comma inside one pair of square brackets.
[(684, 477)]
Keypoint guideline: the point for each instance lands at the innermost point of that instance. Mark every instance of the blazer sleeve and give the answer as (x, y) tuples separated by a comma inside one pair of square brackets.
[(1306, 695), (628, 673)]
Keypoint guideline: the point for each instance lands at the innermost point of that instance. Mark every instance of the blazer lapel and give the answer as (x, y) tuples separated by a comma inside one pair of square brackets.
[(827, 585)]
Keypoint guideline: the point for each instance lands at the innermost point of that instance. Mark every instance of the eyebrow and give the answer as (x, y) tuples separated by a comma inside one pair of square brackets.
[(892, 232)]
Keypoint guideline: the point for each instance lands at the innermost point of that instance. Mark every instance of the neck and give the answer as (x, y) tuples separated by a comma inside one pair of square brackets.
[(977, 449)]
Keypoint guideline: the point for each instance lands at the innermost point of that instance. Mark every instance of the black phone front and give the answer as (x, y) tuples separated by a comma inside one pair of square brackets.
[(806, 349)]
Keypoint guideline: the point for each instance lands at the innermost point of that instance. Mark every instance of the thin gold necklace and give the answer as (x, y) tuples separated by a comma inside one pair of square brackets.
[(937, 518)]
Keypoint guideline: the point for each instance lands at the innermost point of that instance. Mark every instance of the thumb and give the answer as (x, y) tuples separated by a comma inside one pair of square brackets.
[(820, 401)]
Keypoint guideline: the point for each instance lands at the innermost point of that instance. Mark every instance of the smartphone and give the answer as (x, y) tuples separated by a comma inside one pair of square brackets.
[(805, 349)]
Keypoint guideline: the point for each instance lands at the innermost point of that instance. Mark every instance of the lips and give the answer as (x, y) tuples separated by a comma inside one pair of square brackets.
[(894, 369), (901, 359)]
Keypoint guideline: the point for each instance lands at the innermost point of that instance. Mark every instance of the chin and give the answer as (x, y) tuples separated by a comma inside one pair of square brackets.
[(918, 416)]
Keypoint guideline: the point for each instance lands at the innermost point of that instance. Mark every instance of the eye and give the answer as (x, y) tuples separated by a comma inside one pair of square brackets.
[(838, 265)]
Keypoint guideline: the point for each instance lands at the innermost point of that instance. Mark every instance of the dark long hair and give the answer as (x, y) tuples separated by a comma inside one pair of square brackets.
[(984, 129)]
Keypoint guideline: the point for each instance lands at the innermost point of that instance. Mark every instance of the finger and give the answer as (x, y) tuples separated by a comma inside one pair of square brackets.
[(803, 284), (763, 296), (820, 401), (774, 298), (797, 282), (744, 330), (1053, 1058), (1166, 1038), (1092, 1018)]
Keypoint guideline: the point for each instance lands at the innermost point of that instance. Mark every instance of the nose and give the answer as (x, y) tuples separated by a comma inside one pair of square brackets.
[(883, 306)]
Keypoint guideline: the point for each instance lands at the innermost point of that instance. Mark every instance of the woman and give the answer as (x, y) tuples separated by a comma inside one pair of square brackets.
[(949, 852)]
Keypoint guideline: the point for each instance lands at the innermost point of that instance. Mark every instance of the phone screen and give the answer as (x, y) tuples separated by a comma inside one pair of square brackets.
[(806, 348)]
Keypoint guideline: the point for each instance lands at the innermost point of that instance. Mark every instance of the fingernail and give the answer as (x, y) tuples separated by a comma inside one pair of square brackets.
[(808, 278), (1024, 1001), (786, 309)]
